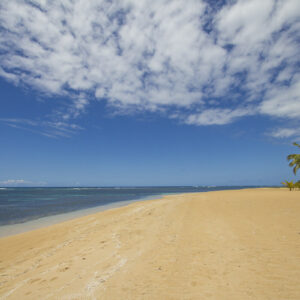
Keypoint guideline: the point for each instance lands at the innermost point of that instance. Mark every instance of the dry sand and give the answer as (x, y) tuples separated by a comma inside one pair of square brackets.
[(218, 245)]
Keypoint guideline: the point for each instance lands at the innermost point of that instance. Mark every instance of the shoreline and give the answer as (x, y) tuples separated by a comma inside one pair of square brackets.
[(18, 228)]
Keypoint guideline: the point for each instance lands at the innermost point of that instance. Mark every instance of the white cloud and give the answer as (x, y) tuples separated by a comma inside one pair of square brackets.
[(20, 182), (283, 101), (14, 182), (156, 55), (286, 132), (217, 116)]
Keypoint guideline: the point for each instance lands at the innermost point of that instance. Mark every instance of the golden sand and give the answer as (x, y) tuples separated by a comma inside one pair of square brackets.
[(218, 245)]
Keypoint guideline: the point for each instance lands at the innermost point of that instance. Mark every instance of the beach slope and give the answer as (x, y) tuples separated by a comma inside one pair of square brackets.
[(240, 244)]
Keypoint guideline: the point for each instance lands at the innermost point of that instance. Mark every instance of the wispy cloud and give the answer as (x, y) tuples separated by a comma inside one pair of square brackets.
[(14, 181), (286, 133), (210, 64), (20, 182), (217, 116), (53, 129)]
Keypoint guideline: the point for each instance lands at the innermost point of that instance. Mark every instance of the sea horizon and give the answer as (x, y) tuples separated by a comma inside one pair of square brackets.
[(133, 186)]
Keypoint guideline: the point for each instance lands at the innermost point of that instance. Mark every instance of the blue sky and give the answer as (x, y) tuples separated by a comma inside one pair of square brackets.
[(97, 93)]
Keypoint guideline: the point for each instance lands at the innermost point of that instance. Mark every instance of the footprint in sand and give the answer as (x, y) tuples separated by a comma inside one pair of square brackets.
[(193, 283), (54, 278), (34, 280)]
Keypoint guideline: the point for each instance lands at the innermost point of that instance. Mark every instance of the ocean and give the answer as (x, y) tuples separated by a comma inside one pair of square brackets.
[(19, 205)]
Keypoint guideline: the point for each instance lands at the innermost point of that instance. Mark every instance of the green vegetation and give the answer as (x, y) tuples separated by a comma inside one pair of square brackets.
[(289, 184), (295, 160)]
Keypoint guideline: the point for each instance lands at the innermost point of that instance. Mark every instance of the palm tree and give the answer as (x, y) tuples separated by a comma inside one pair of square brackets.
[(289, 184), (295, 160), (297, 185)]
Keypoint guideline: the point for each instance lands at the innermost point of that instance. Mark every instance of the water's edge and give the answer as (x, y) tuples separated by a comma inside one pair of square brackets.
[(13, 229)]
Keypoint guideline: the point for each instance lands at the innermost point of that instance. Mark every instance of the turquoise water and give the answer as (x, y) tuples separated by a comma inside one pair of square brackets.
[(18, 205)]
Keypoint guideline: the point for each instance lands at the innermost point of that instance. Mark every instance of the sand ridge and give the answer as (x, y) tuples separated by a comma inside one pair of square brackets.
[(241, 244)]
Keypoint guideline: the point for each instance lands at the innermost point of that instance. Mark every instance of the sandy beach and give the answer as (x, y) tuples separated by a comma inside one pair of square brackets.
[(240, 244)]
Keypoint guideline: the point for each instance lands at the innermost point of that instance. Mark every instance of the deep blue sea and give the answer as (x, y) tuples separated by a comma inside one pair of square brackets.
[(18, 205)]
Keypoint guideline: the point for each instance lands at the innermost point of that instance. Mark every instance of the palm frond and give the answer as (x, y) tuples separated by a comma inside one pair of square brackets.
[(291, 156), (296, 144), (296, 168), (294, 160)]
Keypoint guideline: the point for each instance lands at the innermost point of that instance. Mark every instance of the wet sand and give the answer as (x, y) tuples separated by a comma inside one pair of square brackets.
[(242, 244)]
